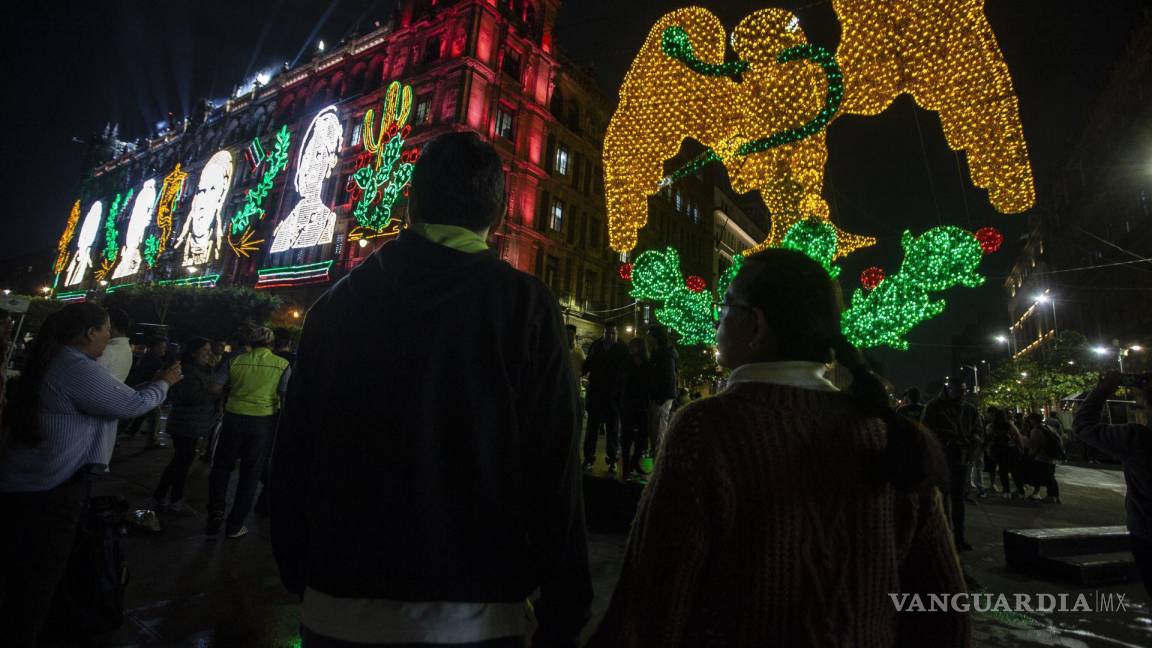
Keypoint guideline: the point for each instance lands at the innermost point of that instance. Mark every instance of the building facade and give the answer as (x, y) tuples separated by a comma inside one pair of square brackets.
[(1085, 265)]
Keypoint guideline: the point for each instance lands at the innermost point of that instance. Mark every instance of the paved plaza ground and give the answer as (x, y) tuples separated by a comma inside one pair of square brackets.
[(187, 590)]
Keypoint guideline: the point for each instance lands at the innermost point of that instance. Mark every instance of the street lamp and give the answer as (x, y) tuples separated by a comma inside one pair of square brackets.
[(1045, 299), (1120, 352), (975, 377), (45, 289)]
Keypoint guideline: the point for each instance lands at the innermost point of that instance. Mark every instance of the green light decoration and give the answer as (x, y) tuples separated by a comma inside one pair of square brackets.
[(111, 248), (390, 170), (676, 44), (940, 258), (817, 239), (151, 250), (937, 260), (253, 200), (656, 276)]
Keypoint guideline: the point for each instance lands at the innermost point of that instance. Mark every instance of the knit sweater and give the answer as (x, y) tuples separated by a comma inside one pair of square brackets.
[(764, 525)]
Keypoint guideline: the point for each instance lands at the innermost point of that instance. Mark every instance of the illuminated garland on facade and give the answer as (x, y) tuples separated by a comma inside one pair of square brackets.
[(656, 276), (169, 197), (203, 231), (241, 232), (937, 260), (111, 247), (66, 239), (206, 281), (390, 170), (294, 275)]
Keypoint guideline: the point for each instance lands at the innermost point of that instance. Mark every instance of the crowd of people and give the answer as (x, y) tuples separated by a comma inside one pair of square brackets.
[(425, 487)]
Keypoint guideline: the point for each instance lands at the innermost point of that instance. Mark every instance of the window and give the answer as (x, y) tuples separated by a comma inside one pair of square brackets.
[(678, 200), (423, 110), (562, 160), (575, 218), (551, 265), (504, 121), (432, 49), (557, 220), (694, 210), (578, 165), (511, 64), (593, 233), (356, 134)]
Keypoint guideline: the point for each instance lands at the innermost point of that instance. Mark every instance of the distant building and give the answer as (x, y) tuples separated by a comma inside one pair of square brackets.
[(1085, 265)]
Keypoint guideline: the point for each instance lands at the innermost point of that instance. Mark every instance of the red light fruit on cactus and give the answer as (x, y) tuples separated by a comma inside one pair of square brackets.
[(695, 284), (871, 277), (625, 272), (990, 239)]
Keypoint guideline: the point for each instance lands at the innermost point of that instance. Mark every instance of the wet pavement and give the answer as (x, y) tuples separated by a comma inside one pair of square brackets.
[(188, 590)]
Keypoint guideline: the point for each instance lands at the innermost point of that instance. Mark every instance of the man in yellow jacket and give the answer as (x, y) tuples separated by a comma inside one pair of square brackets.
[(256, 381)]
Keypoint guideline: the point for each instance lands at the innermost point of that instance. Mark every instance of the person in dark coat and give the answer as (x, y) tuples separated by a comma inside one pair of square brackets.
[(192, 416), (424, 486), (958, 427), (664, 383), (1131, 443), (634, 424), (605, 368)]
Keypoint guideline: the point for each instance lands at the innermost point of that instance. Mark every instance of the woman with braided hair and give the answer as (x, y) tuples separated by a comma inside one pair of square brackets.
[(783, 511)]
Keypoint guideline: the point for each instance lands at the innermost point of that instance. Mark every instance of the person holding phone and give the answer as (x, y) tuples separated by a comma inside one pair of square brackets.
[(1131, 444)]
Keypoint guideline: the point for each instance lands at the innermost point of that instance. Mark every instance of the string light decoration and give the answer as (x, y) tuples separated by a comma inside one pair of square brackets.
[(817, 239), (678, 87), (990, 239), (241, 231), (871, 277), (131, 257), (89, 230), (203, 231), (389, 171), (111, 247), (656, 276), (66, 239), (170, 192), (937, 260), (294, 275), (946, 56), (311, 222), (625, 271), (695, 284)]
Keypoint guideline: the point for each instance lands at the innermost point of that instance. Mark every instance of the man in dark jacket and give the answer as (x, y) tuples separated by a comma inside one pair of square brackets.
[(605, 368), (1131, 444), (665, 381), (958, 427), (426, 479)]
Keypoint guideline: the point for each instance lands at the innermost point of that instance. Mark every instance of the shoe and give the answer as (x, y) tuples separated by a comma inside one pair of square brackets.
[(215, 521), (589, 464), (1051, 499), (963, 545), (239, 533)]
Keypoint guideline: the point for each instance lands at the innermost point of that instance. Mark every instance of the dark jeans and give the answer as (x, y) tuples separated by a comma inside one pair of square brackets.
[(634, 430), (1008, 461), (1142, 552), (602, 413), (172, 481), (313, 640), (1046, 477), (247, 439), (39, 535), (957, 489)]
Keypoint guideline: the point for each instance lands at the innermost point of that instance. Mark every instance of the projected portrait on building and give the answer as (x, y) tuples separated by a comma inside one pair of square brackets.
[(138, 221), (202, 233), (311, 222), (82, 261)]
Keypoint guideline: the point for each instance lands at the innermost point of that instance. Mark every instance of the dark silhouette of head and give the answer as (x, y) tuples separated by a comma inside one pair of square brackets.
[(458, 180)]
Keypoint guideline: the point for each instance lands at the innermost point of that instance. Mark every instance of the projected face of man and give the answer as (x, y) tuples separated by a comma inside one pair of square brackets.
[(209, 197), (84, 241)]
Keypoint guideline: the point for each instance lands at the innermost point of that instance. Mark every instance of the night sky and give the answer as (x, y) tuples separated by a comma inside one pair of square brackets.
[(73, 67)]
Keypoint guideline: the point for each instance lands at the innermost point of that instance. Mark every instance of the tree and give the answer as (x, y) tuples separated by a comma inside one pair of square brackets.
[(191, 311), (1064, 367)]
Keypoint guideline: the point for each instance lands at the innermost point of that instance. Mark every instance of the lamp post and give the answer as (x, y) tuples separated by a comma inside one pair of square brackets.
[(975, 377), (1120, 352)]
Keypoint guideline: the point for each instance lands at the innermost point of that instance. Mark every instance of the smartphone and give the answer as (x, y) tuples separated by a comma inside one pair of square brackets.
[(1135, 380)]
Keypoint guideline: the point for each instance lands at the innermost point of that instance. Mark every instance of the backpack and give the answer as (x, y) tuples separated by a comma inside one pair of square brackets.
[(90, 599), (1053, 444)]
